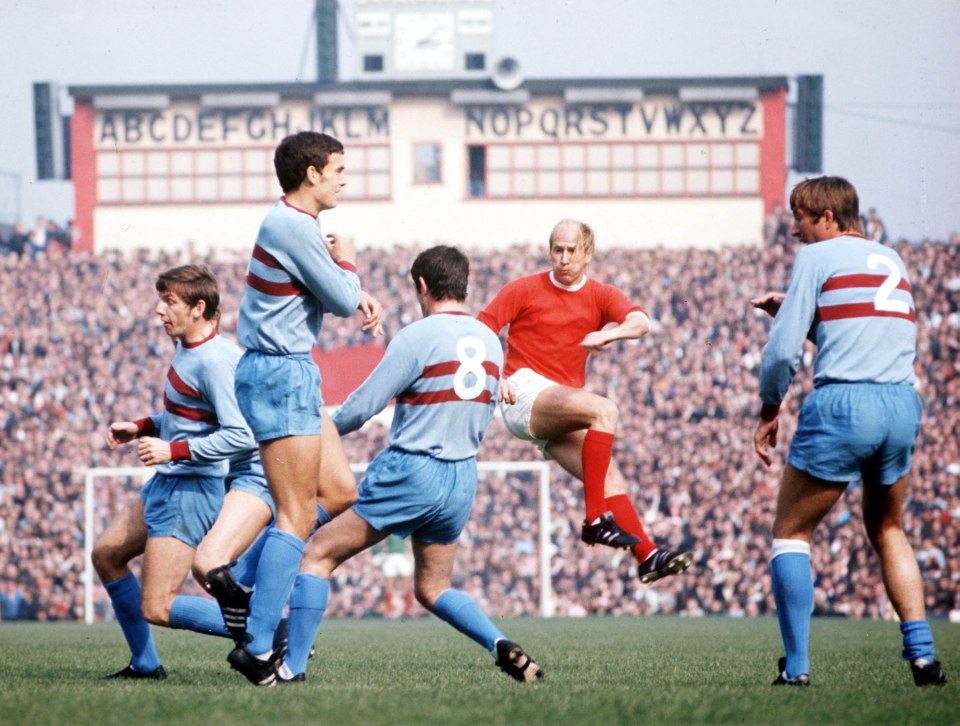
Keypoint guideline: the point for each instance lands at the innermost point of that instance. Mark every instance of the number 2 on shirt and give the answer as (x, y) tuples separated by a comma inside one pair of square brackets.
[(882, 300)]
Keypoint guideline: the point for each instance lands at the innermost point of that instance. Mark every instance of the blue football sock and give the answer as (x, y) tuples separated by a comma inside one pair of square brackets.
[(459, 610), (279, 563), (245, 571), (308, 603), (917, 640), (125, 596), (322, 518), (793, 594), (199, 614)]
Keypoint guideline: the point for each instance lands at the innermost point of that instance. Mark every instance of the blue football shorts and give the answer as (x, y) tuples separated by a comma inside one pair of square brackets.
[(251, 483), (184, 507), (279, 395), (851, 430), (417, 494)]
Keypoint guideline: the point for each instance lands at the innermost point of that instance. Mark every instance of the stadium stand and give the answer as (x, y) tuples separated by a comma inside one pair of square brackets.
[(78, 350)]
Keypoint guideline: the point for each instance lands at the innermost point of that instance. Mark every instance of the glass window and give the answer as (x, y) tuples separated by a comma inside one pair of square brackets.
[(648, 156), (549, 156), (475, 61), (622, 156), (673, 156), (427, 164), (108, 163), (378, 157), (722, 155), (158, 190), (698, 181), (648, 183), (550, 183), (748, 181), (623, 183), (574, 156), (182, 189), (207, 162), (498, 157), (158, 163), (379, 186), (134, 190), (108, 190), (257, 160), (524, 184), (499, 184), (182, 163), (477, 174), (672, 181), (573, 183), (748, 154), (132, 163), (260, 186), (206, 189), (524, 157), (722, 181), (698, 156), (598, 183), (598, 156)]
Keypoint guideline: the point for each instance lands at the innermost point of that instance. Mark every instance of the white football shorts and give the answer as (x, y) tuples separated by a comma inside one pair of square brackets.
[(527, 385)]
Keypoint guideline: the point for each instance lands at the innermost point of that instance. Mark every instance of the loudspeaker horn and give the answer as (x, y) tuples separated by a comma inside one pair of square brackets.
[(506, 74)]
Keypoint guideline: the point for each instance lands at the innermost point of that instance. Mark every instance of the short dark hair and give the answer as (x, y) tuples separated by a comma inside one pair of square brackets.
[(298, 152), (192, 283), (815, 196), (445, 269)]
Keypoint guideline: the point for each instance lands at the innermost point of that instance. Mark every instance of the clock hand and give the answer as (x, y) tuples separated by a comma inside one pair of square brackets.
[(430, 38)]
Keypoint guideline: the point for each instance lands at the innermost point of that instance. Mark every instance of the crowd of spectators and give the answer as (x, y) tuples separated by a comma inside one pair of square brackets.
[(45, 236), (80, 347)]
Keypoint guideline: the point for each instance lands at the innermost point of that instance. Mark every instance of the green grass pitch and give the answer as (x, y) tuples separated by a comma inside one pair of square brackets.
[(654, 670)]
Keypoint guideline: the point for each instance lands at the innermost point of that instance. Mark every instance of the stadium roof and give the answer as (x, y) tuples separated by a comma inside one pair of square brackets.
[(400, 88)]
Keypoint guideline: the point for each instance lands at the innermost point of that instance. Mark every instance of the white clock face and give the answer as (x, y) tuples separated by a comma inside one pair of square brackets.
[(423, 41)]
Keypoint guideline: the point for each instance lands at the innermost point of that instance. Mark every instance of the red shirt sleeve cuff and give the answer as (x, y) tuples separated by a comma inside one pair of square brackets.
[(145, 427), (348, 266), (180, 450), (768, 411)]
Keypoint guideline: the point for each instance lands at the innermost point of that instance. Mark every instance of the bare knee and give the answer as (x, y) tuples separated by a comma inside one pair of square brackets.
[(605, 415), (338, 494), (157, 612), (200, 568), (109, 563), (426, 596), (428, 590), (883, 535), (203, 562)]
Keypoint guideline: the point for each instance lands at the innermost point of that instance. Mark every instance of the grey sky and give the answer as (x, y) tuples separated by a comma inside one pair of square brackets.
[(890, 71)]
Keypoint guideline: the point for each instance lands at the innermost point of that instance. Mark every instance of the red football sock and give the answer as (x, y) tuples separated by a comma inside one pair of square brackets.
[(595, 456), (627, 517)]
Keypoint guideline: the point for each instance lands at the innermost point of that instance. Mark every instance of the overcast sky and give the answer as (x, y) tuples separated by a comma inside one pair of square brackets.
[(890, 67)]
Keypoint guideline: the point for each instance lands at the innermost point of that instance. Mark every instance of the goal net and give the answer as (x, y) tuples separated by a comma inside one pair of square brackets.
[(503, 559)]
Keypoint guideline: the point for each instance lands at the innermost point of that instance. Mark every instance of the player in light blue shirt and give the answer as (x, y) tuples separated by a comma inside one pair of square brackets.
[(189, 443), (296, 275), (852, 297), (444, 373)]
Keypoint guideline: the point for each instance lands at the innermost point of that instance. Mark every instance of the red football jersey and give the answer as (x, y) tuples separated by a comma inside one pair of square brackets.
[(548, 321)]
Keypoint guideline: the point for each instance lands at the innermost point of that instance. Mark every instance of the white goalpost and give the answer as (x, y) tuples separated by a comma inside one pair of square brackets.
[(538, 469)]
